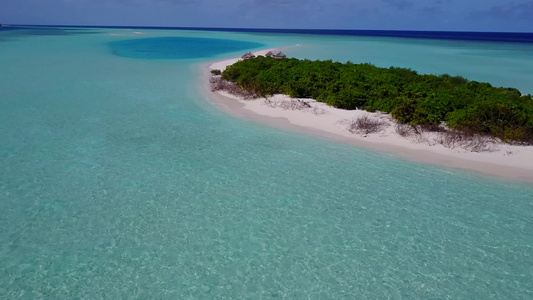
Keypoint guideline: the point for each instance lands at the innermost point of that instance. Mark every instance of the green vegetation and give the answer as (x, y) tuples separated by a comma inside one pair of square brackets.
[(467, 106)]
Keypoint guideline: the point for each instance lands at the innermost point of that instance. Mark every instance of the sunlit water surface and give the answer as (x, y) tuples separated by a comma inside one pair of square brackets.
[(119, 180)]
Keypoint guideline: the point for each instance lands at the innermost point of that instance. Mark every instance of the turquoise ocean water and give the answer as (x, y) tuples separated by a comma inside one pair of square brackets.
[(119, 180)]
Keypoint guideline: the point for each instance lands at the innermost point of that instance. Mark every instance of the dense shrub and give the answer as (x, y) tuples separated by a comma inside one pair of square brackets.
[(411, 98)]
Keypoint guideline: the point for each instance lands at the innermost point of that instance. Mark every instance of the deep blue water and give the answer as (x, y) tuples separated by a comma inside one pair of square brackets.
[(177, 47), (508, 37)]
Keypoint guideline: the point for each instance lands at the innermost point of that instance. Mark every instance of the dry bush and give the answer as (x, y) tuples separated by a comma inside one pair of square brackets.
[(451, 139), (271, 102), (479, 143), (403, 130), (417, 136), (468, 141), (318, 111), (294, 104), (429, 127), (434, 135), (366, 125), (216, 83), (219, 84)]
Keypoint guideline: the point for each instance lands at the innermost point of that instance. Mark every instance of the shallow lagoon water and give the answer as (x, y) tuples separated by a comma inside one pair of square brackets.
[(119, 180)]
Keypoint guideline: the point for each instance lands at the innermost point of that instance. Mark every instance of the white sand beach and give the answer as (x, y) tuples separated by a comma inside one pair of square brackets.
[(318, 119)]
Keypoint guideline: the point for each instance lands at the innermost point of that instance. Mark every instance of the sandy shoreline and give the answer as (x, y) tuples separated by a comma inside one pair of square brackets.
[(503, 161)]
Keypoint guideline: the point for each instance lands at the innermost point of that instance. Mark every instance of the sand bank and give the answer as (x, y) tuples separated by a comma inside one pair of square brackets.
[(318, 119)]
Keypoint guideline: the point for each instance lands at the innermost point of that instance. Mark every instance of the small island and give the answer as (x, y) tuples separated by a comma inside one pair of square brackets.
[(441, 103), (436, 119)]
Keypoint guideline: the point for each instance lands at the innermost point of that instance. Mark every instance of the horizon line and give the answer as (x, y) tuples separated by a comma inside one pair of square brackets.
[(265, 29)]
